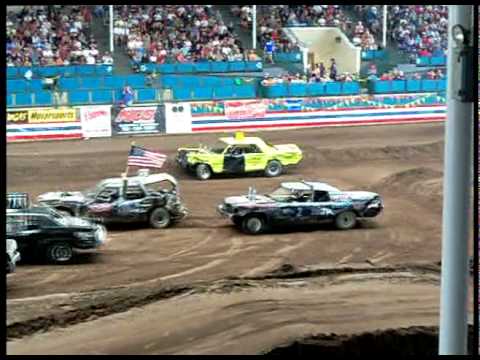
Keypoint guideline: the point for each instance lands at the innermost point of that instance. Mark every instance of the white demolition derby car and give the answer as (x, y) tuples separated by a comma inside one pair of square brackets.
[(300, 203)]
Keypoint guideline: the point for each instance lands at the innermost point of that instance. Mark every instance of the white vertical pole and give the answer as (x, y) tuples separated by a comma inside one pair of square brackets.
[(110, 7), (254, 27), (456, 199), (384, 33)]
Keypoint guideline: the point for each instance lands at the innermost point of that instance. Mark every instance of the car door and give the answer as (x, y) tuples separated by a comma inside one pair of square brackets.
[(321, 207), (27, 232), (296, 211), (234, 160), (134, 205), (255, 159)]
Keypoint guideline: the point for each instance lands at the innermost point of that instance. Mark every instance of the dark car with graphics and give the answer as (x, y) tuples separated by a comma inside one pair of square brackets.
[(152, 199), (238, 155), (42, 233), (300, 203)]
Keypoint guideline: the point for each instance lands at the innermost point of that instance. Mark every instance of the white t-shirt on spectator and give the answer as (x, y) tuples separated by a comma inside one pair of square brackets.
[(90, 60), (322, 21), (107, 60)]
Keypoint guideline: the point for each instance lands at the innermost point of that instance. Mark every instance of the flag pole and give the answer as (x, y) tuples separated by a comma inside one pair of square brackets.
[(125, 174)]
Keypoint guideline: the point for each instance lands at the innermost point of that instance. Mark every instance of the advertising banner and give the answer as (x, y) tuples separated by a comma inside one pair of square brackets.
[(52, 115), (17, 117), (43, 124), (135, 120), (245, 109), (96, 121)]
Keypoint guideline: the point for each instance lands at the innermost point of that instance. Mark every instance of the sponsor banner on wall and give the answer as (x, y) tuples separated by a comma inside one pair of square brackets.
[(245, 109), (96, 121), (135, 120), (178, 118), (43, 124), (52, 115), (17, 117)]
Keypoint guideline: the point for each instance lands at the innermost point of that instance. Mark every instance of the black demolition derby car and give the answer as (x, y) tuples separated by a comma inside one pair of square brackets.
[(43, 233), (300, 203), (152, 199)]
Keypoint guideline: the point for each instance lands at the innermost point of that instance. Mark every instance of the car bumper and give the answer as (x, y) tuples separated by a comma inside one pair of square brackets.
[(373, 210), (12, 264), (223, 211)]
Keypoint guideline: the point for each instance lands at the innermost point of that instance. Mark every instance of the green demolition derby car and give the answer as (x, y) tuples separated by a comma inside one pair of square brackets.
[(238, 155)]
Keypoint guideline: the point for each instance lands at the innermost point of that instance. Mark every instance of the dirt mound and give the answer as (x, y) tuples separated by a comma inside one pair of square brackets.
[(397, 152), (418, 181), (403, 342)]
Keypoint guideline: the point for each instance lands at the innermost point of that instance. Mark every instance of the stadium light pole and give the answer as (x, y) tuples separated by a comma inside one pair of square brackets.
[(384, 34), (457, 182), (254, 27), (110, 8)]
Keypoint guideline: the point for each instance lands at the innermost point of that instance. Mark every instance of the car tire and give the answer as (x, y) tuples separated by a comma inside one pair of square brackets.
[(237, 221), (253, 225), (274, 168), (346, 220), (203, 171), (160, 218), (59, 253)]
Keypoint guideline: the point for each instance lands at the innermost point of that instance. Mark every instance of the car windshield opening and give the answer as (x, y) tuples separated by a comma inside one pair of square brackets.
[(281, 194), (218, 147)]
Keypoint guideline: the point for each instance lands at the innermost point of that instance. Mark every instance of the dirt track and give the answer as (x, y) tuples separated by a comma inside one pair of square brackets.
[(402, 163)]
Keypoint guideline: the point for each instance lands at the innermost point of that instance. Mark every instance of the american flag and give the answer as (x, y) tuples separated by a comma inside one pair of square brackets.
[(145, 158)]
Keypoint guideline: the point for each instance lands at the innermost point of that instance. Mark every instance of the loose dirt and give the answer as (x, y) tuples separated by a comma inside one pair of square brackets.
[(150, 291)]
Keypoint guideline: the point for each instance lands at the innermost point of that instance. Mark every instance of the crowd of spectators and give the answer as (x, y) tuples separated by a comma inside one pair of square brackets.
[(274, 17), (318, 74), (244, 13), (52, 35), (420, 30), (175, 33), (395, 74)]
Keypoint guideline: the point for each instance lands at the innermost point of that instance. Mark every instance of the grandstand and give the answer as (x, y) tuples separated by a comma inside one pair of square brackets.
[(59, 55)]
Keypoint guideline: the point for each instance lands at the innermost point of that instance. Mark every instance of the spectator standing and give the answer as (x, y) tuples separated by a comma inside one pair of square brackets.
[(269, 50), (333, 70)]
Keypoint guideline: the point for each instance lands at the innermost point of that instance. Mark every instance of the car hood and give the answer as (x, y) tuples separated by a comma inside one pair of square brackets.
[(193, 148), (73, 196), (244, 200), (79, 222), (360, 195)]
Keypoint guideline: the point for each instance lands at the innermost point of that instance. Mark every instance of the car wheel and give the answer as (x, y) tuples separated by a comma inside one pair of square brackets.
[(253, 225), (203, 171), (160, 218), (274, 168), (345, 220), (59, 253)]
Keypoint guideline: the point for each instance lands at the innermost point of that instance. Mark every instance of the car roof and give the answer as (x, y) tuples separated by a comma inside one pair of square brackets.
[(145, 180), (243, 141), (308, 185), (34, 210)]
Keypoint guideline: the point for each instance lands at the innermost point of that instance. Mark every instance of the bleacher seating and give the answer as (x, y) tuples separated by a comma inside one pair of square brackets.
[(402, 86), (311, 89), (64, 71), (431, 61)]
